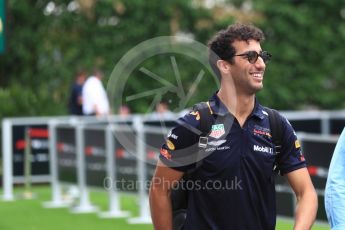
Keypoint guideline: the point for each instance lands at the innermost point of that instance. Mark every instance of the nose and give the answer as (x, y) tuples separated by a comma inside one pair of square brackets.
[(260, 64)]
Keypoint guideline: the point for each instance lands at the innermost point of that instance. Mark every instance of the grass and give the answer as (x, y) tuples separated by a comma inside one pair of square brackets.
[(30, 215)]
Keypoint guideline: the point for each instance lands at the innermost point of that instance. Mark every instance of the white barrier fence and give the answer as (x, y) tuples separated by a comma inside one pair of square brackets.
[(134, 152)]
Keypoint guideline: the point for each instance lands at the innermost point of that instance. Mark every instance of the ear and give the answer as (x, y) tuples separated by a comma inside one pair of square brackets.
[(223, 66)]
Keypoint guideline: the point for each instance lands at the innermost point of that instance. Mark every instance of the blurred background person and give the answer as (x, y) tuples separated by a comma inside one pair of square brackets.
[(124, 111), (76, 99), (162, 111), (95, 99)]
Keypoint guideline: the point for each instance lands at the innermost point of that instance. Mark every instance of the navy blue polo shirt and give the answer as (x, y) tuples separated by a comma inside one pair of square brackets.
[(232, 179)]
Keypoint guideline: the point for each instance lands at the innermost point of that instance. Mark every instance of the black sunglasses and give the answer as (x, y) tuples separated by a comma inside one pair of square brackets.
[(253, 56)]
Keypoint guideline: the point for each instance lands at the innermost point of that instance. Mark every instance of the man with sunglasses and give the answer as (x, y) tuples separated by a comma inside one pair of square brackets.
[(232, 179)]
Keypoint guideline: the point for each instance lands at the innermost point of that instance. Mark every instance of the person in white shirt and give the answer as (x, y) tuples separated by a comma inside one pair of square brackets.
[(95, 99)]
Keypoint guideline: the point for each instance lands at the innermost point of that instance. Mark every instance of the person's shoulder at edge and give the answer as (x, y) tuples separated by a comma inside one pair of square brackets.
[(181, 142), (185, 132)]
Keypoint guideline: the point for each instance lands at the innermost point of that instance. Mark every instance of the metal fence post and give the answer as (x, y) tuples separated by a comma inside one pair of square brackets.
[(56, 201), (27, 164), (7, 160), (144, 216), (84, 205), (114, 196)]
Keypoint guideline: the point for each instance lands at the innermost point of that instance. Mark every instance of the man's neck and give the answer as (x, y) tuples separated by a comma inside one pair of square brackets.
[(240, 105)]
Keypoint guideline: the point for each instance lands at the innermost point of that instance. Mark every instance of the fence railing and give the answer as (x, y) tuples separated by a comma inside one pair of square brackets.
[(119, 155)]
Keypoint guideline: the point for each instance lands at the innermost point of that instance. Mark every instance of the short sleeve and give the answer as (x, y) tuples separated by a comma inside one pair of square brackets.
[(291, 157), (181, 146)]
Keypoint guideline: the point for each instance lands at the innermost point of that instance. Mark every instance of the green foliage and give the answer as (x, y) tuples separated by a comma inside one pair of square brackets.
[(16, 98), (45, 49), (305, 38)]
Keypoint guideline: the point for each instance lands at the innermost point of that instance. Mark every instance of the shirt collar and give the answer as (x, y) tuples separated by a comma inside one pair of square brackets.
[(220, 109), (259, 111)]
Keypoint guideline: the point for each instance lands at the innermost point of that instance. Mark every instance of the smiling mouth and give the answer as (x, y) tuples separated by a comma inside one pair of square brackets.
[(258, 76)]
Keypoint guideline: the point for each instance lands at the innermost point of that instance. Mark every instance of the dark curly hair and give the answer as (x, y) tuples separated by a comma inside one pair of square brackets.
[(221, 44)]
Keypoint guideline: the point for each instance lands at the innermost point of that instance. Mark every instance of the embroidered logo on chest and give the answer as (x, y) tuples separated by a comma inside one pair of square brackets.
[(263, 149), (261, 131), (217, 131)]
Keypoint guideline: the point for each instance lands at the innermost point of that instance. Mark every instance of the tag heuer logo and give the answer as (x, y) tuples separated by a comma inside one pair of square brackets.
[(217, 131)]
